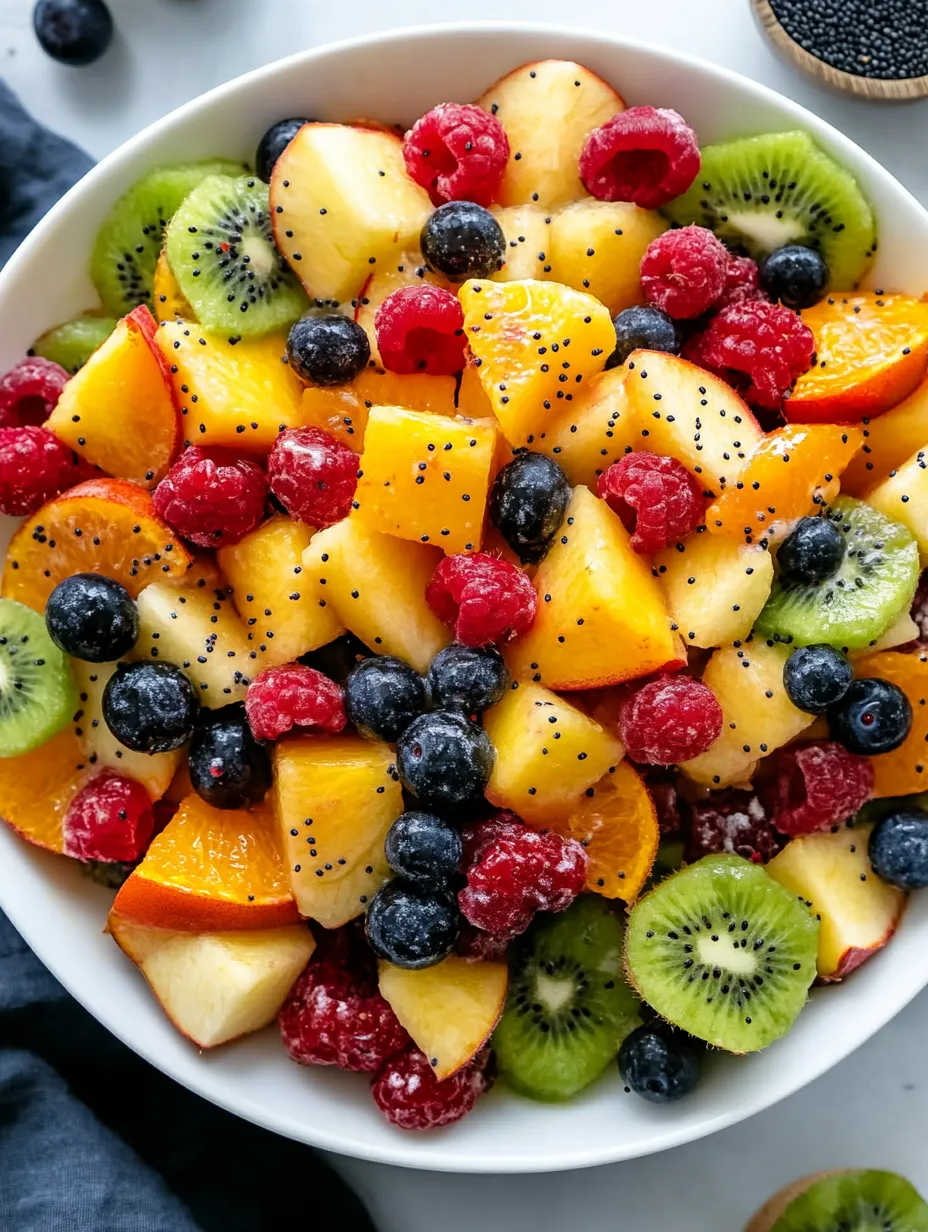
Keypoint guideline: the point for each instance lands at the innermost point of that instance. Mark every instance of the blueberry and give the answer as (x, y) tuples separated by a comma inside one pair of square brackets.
[(92, 618), (423, 849), (646, 328), (658, 1063), (382, 697), (816, 677), (336, 659), (527, 504), (813, 551), (465, 678), (273, 144), (899, 849), (412, 927), (150, 707), (794, 275), (328, 350), (444, 759), (75, 32), (463, 240), (228, 767), (874, 716)]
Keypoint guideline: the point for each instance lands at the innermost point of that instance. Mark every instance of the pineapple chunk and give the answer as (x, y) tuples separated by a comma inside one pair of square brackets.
[(758, 716), (597, 246), (547, 753), (407, 270), (341, 199), (336, 798), (601, 615), (526, 228), (903, 496), (200, 633), (343, 411), (376, 584), (234, 395), (425, 477), (536, 343), (598, 428), (168, 299), (285, 611), (715, 587)]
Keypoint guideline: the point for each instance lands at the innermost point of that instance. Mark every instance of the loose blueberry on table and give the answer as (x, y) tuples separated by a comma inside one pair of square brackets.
[(475, 578)]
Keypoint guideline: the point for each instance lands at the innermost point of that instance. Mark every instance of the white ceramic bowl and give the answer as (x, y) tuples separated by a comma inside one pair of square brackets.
[(395, 77)]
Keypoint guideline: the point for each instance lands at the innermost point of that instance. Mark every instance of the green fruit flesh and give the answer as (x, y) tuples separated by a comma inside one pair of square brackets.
[(73, 343), (129, 242), (569, 1007), (37, 693), (759, 193), (221, 249), (855, 607), (725, 953), (859, 1201)]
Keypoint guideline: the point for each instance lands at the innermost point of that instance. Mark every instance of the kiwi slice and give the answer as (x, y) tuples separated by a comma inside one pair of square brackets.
[(38, 696), (854, 607), (73, 343), (724, 952), (569, 1007), (858, 1200), (221, 250), (122, 266), (759, 193)]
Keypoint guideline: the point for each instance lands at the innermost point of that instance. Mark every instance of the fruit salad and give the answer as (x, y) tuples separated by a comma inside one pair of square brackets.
[(467, 601)]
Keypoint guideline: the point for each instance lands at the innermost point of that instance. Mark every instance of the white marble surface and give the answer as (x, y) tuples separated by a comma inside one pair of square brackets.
[(871, 1109)]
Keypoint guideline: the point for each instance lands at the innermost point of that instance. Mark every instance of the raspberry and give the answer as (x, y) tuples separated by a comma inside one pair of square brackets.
[(741, 282), (110, 820), (457, 152), (655, 496), (313, 475), (334, 1014), (670, 720), (643, 155), (421, 329), (758, 347), (482, 598), (816, 786), (293, 696), (683, 272), (732, 821), (479, 836), (30, 391), (35, 466), (211, 497), (477, 946), (516, 872), (407, 1092)]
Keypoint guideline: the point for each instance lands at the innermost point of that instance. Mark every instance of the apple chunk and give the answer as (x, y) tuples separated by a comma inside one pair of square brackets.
[(859, 912), (215, 987), (450, 1010)]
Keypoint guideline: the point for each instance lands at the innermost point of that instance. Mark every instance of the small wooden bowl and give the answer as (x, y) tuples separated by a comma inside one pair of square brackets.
[(877, 89)]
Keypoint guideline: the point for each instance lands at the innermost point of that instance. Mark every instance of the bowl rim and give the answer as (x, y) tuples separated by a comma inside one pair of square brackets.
[(320, 1135)]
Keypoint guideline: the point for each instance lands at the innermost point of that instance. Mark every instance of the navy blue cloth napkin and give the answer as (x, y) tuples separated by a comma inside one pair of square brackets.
[(92, 1138)]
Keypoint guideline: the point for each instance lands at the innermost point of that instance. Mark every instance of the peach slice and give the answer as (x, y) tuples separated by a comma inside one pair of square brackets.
[(888, 441), (905, 769), (903, 497), (715, 587), (450, 1010), (596, 429), (343, 411), (215, 987)]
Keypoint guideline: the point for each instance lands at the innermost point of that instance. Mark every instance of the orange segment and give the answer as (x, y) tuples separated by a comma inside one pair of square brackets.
[(871, 351), (782, 477), (618, 827), (36, 789), (905, 769), (343, 411), (211, 870), (103, 526)]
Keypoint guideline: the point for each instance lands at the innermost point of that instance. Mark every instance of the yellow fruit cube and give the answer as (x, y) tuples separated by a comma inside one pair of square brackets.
[(526, 228), (598, 428), (597, 246), (903, 496), (343, 411), (425, 477), (715, 587)]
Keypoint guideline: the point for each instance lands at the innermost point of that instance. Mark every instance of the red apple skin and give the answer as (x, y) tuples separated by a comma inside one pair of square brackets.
[(855, 957)]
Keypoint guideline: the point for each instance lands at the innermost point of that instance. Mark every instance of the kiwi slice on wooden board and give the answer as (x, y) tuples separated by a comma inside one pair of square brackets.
[(724, 952), (569, 1007), (221, 249), (856, 1200), (854, 607), (38, 696), (126, 250), (72, 343), (759, 193)]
